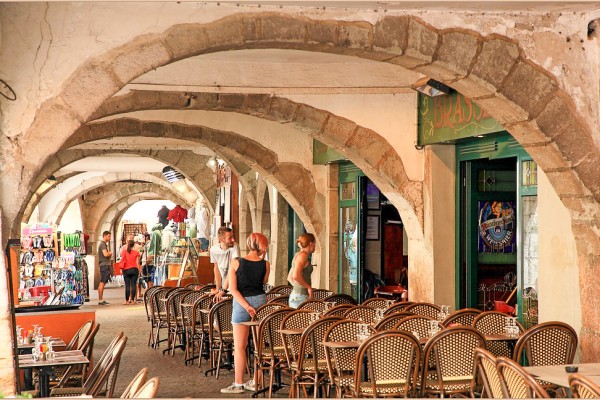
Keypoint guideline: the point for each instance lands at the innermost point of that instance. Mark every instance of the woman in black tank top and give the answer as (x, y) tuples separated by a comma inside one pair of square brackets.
[(246, 276)]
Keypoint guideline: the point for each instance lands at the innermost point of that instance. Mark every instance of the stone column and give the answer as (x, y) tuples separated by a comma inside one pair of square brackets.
[(279, 239)]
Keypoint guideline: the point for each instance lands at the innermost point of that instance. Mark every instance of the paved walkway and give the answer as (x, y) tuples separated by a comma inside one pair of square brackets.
[(176, 379)]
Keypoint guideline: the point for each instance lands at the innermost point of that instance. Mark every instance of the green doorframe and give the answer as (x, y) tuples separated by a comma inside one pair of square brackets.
[(493, 146), (350, 177)]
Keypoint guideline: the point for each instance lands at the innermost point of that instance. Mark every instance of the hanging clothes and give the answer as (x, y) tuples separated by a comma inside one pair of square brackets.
[(155, 245), (178, 214)]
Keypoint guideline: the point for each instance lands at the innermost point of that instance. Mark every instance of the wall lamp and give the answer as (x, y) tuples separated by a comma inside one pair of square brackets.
[(430, 87), (172, 175)]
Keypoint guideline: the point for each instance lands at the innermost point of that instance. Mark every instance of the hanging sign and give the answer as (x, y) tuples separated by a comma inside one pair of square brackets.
[(451, 117), (223, 173), (497, 223)]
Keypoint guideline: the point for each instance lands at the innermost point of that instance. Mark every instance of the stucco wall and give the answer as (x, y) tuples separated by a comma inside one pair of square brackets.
[(558, 282)]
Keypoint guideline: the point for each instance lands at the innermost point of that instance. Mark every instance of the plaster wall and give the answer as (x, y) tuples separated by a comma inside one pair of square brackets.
[(71, 219), (393, 116), (558, 269)]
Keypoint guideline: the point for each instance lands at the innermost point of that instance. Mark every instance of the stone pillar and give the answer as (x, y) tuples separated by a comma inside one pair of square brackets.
[(279, 241), (332, 228), (7, 372)]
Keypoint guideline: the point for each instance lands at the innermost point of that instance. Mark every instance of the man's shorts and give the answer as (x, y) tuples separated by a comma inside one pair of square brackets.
[(104, 273)]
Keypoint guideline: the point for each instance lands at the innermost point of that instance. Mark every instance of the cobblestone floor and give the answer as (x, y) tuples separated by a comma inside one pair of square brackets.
[(176, 379)]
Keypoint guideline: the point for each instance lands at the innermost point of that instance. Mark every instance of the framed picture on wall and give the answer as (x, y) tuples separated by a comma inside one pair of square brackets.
[(372, 227), (373, 197)]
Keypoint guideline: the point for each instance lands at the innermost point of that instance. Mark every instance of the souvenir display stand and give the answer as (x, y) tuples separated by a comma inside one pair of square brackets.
[(178, 264)]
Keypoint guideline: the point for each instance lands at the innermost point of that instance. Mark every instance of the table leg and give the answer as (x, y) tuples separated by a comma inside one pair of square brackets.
[(44, 377)]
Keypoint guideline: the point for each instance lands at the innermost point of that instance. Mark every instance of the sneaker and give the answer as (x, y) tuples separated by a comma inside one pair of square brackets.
[(103, 303), (233, 389), (250, 385)]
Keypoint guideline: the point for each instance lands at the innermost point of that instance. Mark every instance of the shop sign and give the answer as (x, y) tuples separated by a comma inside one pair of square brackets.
[(451, 117), (223, 173), (497, 225), (37, 229)]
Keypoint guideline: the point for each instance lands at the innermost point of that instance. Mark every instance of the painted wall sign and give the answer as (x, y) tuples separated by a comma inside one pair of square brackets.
[(497, 227), (451, 117)]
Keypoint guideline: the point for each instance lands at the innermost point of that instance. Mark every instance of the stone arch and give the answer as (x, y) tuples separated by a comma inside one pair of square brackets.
[(151, 183), (291, 179), (263, 212), (191, 165), (492, 70)]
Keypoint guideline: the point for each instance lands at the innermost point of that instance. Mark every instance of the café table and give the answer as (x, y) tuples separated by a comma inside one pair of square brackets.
[(511, 341), (557, 374), (291, 331), (27, 348), (61, 358)]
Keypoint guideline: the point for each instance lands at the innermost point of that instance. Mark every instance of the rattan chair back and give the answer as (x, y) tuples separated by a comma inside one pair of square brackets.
[(361, 313), (485, 365), (549, 343), (135, 384), (271, 296), (342, 361), (425, 309), (298, 319), (283, 299), (80, 335), (417, 323), (377, 302), (270, 343), (583, 388), (340, 310), (219, 321), (493, 323), (148, 302), (465, 317), (104, 374), (516, 382), (397, 307), (314, 305), (321, 294), (393, 358), (266, 309), (451, 352), (391, 320), (148, 390), (75, 375), (285, 290), (311, 342), (341, 298)]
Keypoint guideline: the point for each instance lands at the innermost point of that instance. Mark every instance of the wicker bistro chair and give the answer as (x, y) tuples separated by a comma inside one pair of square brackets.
[(148, 390), (321, 294), (160, 321), (417, 323), (341, 298), (64, 375), (285, 290), (175, 321), (465, 317), (271, 296), (378, 302), (493, 323), (220, 331), (266, 309), (342, 361), (269, 354), (75, 375), (425, 309), (152, 311), (516, 382), (135, 384), (485, 365), (583, 388), (393, 358), (397, 307), (188, 322), (102, 377), (340, 310), (451, 352), (295, 320), (310, 366), (361, 313), (198, 334), (147, 303), (391, 320), (314, 305)]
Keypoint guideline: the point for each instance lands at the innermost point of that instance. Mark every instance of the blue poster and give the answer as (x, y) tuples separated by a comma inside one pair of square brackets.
[(497, 227)]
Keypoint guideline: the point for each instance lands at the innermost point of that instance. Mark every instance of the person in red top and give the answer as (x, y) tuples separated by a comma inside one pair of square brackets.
[(130, 264), (177, 214)]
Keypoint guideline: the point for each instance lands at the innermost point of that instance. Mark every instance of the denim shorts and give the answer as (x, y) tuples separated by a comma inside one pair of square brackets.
[(296, 299), (240, 314)]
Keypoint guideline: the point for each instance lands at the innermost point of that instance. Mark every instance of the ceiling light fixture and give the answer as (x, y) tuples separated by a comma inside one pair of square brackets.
[(430, 87), (172, 175)]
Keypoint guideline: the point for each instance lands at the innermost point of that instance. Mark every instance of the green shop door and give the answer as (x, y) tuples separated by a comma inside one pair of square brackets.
[(351, 182)]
